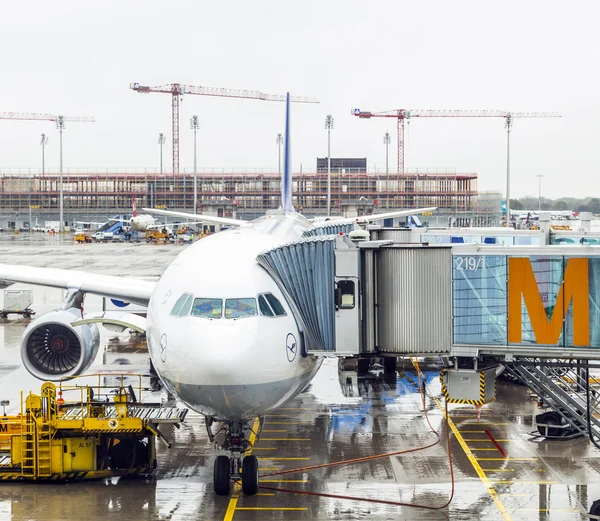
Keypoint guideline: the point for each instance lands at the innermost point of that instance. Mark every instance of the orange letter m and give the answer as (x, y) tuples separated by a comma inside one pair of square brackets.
[(521, 281)]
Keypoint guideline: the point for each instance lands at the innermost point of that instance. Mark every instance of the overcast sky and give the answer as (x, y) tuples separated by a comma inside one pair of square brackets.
[(77, 58)]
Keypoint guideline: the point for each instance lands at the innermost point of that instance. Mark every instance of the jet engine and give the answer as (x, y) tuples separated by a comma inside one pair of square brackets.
[(52, 348)]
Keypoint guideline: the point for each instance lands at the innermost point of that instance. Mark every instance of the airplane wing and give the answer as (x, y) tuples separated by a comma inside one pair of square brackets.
[(389, 215), (371, 217), (198, 216), (129, 289)]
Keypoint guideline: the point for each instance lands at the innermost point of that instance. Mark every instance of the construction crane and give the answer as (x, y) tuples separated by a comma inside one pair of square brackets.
[(403, 115), (177, 90), (60, 125)]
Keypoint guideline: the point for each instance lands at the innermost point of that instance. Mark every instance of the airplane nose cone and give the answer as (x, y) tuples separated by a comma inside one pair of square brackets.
[(218, 345)]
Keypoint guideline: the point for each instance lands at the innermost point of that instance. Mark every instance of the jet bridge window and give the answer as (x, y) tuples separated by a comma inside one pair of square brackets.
[(207, 308), (344, 295), (270, 306), (240, 307)]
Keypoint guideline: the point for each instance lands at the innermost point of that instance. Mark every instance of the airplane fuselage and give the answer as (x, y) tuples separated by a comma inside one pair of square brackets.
[(218, 359), (141, 222)]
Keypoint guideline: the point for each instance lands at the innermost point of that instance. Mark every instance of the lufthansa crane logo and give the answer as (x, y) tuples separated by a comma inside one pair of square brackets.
[(291, 347), (163, 347)]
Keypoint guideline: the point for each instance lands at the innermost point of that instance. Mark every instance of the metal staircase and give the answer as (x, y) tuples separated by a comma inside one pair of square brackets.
[(28, 460), (566, 387)]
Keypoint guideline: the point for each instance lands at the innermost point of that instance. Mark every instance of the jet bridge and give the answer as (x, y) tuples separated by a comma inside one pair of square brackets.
[(533, 309)]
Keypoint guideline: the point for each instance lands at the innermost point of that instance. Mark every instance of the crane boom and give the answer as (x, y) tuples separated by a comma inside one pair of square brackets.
[(406, 114), (28, 116), (177, 90)]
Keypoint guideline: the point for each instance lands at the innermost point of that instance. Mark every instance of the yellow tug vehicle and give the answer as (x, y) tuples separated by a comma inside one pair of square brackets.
[(103, 432)]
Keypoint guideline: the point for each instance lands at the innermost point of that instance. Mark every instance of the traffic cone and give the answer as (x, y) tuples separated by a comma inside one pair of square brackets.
[(59, 398), (478, 412)]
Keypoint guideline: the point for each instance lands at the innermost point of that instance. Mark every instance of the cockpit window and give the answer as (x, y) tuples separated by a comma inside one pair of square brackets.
[(240, 307), (207, 308), (179, 304), (270, 306), (185, 309), (265, 309), (275, 304)]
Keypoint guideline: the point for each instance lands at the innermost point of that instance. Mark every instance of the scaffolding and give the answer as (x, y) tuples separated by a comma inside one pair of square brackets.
[(250, 192)]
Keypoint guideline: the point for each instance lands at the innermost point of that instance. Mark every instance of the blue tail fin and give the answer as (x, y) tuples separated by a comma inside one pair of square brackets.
[(286, 182)]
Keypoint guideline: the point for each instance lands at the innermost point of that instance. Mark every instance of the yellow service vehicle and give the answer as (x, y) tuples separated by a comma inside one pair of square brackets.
[(82, 237), (158, 235), (100, 433)]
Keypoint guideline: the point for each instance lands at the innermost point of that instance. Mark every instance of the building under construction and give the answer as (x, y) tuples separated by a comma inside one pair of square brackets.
[(248, 194)]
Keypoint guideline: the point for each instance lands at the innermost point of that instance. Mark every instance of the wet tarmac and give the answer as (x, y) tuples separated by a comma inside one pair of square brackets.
[(500, 472)]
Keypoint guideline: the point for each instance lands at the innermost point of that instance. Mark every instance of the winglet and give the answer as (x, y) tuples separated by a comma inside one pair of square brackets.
[(286, 181)]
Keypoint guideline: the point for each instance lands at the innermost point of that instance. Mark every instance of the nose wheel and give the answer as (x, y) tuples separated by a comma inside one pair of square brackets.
[(237, 466), (250, 475), (222, 476)]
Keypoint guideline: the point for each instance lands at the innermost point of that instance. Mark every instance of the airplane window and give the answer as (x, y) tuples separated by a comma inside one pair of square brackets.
[(265, 309), (185, 310), (207, 308), (275, 304), (179, 304), (240, 307)]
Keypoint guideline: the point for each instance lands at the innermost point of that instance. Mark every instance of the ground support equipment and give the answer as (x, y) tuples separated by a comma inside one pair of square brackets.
[(101, 434)]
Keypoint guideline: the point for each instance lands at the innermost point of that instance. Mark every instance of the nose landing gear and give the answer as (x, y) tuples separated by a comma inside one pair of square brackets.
[(237, 466)]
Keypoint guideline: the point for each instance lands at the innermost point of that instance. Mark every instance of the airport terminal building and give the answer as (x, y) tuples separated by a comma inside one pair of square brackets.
[(246, 193)]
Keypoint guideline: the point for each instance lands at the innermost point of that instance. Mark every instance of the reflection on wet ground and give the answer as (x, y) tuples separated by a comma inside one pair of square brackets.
[(500, 473)]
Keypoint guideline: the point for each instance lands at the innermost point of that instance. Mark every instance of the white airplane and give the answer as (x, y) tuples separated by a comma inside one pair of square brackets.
[(141, 222), (221, 335)]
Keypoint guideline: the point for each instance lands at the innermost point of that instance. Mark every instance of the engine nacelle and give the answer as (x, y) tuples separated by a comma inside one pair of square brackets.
[(51, 348)]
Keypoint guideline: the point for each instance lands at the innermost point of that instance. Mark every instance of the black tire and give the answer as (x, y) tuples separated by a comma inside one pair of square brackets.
[(128, 454), (222, 476), (595, 509), (389, 365), (363, 366), (550, 418), (250, 475)]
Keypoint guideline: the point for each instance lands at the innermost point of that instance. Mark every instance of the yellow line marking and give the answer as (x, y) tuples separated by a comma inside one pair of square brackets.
[(289, 423), (285, 459), (507, 459), (289, 439), (268, 468), (283, 480), (265, 494), (521, 482), (232, 506), (487, 441), (272, 508), (515, 495), (566, 510), (487, 483), (274, 430)]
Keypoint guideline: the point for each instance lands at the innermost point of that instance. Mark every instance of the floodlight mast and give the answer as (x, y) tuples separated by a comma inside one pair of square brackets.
[(60, 125), (329, 126)]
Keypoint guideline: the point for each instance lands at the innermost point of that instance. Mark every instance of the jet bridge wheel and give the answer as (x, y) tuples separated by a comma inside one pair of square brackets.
[(551, 418), (222, 476), (595, 509), (250, 475)]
